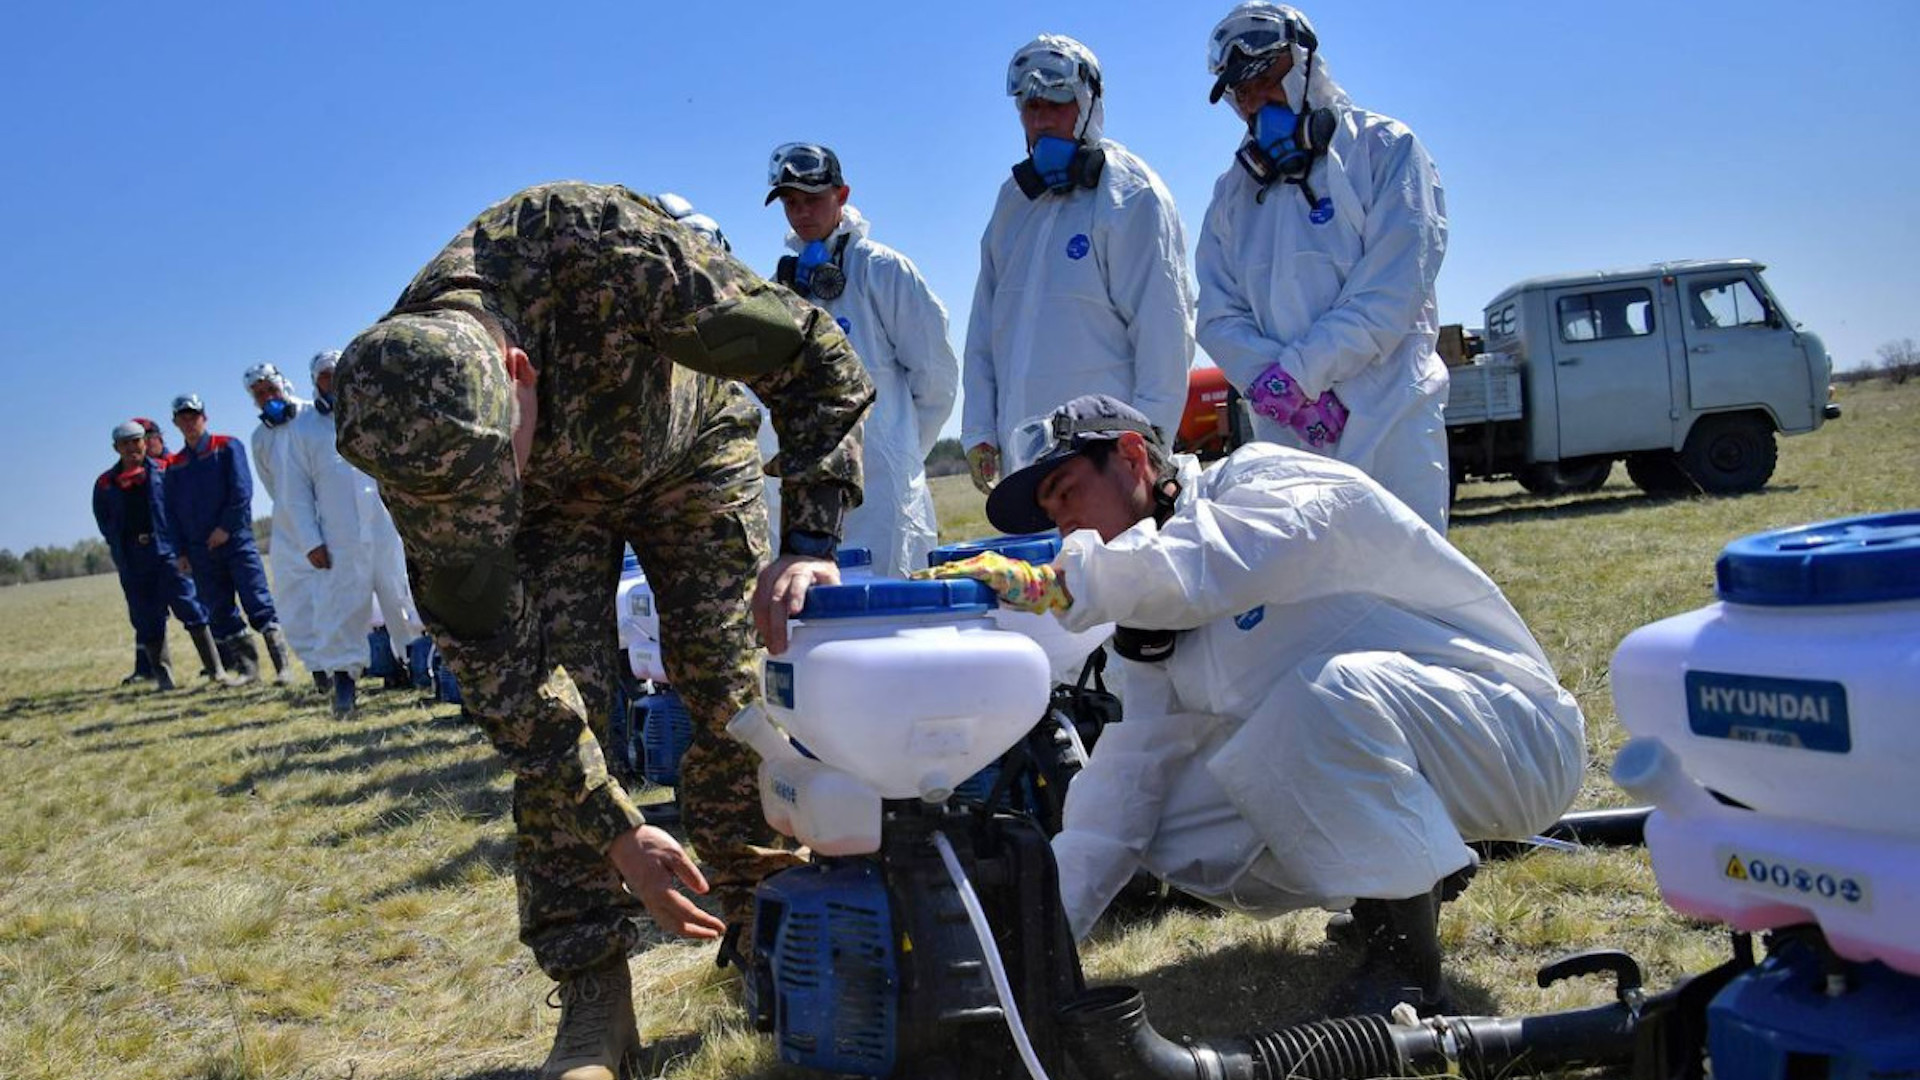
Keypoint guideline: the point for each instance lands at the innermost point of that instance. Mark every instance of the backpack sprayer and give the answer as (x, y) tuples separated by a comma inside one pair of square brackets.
[(927, 939)]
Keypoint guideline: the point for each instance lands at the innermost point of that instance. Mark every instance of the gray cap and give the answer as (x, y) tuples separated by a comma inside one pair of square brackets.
[(1014, 504), (131, 429), (188, 403)]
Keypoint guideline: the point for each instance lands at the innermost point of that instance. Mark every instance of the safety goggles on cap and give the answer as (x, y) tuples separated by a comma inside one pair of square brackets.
[(804, 167), (129, 430), (1247, 43), (260, 373), (188, 403), (1049, 75), (1043, 444)]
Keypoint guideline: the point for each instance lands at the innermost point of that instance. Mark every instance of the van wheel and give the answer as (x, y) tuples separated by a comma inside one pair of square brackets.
[(1578, 475), (1658, 473), (1730, 454)]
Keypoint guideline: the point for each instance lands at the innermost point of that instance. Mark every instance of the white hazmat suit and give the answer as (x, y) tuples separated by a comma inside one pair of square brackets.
[(1350, 700), (1082, 292), (294, 578), (1341, 296), (899, 329)]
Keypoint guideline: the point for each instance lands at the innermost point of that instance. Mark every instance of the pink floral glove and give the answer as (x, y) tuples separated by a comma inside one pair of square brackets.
[(1023, 586), (1274, 395), (1319, 425)]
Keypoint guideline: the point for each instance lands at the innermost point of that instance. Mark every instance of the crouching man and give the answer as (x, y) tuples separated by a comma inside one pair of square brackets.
[(1325, 700)]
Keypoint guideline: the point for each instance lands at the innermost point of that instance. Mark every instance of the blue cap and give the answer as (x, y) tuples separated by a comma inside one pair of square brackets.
[(961, 596), (1857, 560), (1042, 547), (848, 557)]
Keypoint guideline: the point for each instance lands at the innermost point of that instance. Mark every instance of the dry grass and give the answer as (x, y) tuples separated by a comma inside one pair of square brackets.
[(229, 886)]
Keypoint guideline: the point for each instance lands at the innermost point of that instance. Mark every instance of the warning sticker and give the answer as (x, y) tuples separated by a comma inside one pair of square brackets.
[(1799, 881)]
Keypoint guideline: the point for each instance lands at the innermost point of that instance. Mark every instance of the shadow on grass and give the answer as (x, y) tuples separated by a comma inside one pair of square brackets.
[(491, 854), (655, 1058), (1520, 507)]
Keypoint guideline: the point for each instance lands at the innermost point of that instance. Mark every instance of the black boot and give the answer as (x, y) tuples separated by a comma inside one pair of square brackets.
[(1402, 960), (241, 657), (212, 655), (161, 663), (1343, 931), (323, 682), (278, 652), (343, 696), (142, 667)]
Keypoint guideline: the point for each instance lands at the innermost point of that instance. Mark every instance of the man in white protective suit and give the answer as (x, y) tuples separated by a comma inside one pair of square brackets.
[(327, 499), (898, 328), (393, 604), (293, 576), (1325, 700), (1083, 282), (1317, 261)]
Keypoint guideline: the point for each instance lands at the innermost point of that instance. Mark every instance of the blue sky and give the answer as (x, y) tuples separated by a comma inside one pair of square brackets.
[(194, 188)]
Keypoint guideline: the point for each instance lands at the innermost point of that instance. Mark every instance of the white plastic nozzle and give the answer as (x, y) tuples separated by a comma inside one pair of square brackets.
[(751, 726), (1647, 770), (935, 787)]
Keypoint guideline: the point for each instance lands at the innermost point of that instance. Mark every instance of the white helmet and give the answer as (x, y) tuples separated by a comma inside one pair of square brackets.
[(1054, 67), (262, 373), (323, 362)]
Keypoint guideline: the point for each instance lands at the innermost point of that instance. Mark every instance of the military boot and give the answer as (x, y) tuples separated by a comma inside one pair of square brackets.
[(1402, 959), (1343, 931), (162, 665), (211, 656), (142, 667), (278, 652), (597, 1038), (323, 682), (343, 695), (241, 657)]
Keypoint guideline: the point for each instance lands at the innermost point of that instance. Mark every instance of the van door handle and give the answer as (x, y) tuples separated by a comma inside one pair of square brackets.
[(1569, 361), (1698, 349)]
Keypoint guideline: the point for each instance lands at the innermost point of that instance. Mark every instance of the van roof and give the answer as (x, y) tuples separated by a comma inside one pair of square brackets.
[(1660, 269)]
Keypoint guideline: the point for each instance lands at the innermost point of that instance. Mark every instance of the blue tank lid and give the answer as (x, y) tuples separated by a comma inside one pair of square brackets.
[(961, 596), (853, 556), (1041, 547), (1856, 560)]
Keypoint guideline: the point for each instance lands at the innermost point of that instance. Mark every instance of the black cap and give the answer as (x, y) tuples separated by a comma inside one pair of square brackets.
[(1240, 67), (1014, 504)]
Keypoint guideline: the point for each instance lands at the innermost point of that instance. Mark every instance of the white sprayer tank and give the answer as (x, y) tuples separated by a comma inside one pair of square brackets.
[(1066, 650), (908, 685), (1798, 696)]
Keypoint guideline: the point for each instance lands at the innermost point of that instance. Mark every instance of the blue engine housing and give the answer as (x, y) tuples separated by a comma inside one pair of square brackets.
[(1779, 1021), (829, 985), (665, 735)]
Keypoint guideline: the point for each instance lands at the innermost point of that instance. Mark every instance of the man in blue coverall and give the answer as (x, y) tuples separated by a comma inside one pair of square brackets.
[(129, 508), (209, 501)]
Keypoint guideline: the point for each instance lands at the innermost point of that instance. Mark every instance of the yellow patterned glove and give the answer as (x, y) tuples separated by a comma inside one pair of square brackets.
[(983, 464), (1023, 586)]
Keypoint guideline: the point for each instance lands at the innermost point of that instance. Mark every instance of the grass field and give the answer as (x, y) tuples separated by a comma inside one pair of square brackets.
[(229, 885)]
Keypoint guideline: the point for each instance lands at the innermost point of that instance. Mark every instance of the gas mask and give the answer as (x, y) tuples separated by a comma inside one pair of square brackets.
[(1282, 145), (1059, 165), (323, 403), (815, 273), (278, 411)]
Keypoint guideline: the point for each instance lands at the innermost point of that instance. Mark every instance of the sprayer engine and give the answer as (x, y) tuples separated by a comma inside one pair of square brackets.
[(871, 966)]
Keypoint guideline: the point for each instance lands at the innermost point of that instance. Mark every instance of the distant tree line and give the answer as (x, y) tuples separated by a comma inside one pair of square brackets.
[(947, 459), (89, 556)]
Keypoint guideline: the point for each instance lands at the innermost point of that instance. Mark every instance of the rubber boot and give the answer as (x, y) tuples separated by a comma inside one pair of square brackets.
[(278, 652), (1402, 960), (343, 696), (142, 667), (211, 655), (241, 657), (420, 662), (162, 666), (1343, 931), (398, 676), (597, 1038)]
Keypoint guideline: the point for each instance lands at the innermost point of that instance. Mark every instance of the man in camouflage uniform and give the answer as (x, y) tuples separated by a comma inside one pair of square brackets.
[(558, 380)]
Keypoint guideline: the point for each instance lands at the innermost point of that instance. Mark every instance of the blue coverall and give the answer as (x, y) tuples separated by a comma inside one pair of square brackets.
[(129, 507), (209, 486)]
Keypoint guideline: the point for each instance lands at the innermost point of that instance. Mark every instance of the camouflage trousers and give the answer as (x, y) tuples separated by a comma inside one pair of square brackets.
[(701, 538)]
